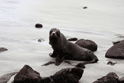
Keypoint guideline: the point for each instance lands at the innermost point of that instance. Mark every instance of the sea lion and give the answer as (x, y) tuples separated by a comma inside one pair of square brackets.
[(63, 49)]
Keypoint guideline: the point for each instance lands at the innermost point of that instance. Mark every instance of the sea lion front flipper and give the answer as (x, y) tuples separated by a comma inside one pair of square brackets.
[(59, 59), (48, 63), (54, 54)]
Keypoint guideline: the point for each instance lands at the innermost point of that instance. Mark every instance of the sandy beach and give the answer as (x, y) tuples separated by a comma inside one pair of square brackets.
[(101, 22)]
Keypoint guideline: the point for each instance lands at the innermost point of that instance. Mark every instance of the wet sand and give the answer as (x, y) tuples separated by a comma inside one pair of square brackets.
[(101, 22)]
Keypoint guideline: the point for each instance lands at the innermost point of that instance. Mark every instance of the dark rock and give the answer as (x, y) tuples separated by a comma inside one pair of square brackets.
[(111, 63), (81, 65), (116, 42), (68, 75), (38, 25), (40, 40), (109, 78), (72, 39), (5, 78), (116, 51), (85, 7), (121, 80), (47, 80), (89, 44), (27, 75), (3, 49)]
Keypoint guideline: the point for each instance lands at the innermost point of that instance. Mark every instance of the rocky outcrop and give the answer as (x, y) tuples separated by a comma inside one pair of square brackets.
[(116, 51), (109, 78), (27, 75), (89, 44), (68, 75)]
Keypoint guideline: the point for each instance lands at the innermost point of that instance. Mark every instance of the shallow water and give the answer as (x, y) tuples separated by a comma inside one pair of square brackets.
[(101, 22)]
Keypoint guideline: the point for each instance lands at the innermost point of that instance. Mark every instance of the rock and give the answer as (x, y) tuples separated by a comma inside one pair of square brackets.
[(81, 65), (116, 51), (40, 40), (47, 80), (72, 39), (38, 25), (3, 49), (109, 78), (111, 63), (89, 44), (116, 42), (6, 77), (121, 80), (85, 7), (27, 75), (68, 75)]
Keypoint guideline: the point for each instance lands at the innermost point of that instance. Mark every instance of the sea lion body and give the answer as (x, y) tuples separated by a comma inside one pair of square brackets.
[(64, 49)]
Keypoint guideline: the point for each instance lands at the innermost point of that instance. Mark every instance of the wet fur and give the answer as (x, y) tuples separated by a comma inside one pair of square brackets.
[(64, 49)]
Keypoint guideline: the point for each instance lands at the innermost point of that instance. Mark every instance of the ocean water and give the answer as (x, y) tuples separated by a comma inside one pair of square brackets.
[(101, 22)]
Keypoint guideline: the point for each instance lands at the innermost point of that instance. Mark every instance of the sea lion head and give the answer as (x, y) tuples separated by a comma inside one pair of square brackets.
[(54, 35)]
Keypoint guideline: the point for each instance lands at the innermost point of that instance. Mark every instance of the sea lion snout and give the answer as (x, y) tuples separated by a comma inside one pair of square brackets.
[(53, 34)]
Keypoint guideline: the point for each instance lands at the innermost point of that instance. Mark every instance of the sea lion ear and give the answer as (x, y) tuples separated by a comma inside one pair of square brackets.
[(58, 33)]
